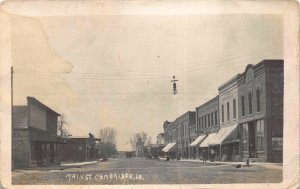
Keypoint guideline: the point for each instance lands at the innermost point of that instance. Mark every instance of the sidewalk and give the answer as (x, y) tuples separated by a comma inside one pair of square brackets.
[(62, 166), (261, 164)]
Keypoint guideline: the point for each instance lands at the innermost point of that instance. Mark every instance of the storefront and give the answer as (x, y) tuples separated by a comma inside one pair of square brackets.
[(194, 146), (170, 150)]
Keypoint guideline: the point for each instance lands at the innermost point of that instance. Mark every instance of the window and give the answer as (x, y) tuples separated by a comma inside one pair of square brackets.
[(208, 120), (228, 112), (234, 109), (260, 135), (243, 105), (205, 121), (216, 117), (212, 119), (222, 113), (202, 122), (250, 102), (245, 136), (258, 100)]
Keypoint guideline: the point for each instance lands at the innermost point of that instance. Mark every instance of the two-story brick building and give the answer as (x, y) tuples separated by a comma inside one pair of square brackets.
[(261, 111), (208, 125), (184, 124), (229, 139), (170, 134)]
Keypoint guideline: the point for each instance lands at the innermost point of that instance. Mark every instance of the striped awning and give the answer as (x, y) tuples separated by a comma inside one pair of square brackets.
[(197, 141), (169, 147)]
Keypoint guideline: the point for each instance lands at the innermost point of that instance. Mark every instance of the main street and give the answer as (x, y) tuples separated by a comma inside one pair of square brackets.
[(146, 171)]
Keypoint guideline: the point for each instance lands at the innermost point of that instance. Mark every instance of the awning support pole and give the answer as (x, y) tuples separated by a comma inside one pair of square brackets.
[(220, 152)]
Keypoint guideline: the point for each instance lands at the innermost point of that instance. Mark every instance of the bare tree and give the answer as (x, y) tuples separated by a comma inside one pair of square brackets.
[(135, 138), (61, 128), (149, 140), (108, 135)]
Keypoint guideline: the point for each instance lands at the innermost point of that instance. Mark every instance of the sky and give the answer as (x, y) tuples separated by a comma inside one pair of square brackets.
[(115, 71)]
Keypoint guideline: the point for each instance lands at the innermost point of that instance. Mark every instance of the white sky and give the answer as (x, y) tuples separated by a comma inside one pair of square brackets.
[(115, 70)]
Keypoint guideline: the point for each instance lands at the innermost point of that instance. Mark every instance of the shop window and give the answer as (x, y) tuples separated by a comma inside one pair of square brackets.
[(243, 105), (212, 119), (234, 109), (228, 112), (245, 136), (258, 100), (250, 102), (222, 108), (216, 117), (260, 135)]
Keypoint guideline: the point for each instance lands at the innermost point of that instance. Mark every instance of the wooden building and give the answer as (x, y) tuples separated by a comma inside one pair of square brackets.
[(34, 135)]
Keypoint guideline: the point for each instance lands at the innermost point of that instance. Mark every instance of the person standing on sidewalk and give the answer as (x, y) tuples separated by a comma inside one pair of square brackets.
[(204, 154), (212, 155)]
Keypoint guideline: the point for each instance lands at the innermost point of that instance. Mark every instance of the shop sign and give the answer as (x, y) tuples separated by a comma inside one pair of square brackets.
[(277, 143)]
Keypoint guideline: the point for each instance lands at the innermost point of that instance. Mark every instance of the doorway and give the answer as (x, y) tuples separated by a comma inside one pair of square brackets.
[(252, 150)]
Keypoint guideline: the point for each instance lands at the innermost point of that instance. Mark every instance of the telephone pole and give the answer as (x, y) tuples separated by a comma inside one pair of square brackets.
[(12, 120)]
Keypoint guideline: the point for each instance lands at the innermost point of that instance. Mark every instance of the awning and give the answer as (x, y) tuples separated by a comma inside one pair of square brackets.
[(169, 147), (222, 135), (38, 135), (198, 140), (207, 140)]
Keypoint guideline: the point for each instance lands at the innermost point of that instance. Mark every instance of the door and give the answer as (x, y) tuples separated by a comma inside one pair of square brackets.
[(252, 150)]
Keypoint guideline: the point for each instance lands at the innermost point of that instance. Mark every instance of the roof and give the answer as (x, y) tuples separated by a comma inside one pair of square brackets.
[(208, 102), (32, 99), (20, 117)]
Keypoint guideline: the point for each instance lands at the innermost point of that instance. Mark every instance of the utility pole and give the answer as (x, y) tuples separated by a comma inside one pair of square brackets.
[(12, 120)]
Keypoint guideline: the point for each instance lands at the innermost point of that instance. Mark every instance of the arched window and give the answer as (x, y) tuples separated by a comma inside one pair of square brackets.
[(243, 105), (258, 99), (250, 102)]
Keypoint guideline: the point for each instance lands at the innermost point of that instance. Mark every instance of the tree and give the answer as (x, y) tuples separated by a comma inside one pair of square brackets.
[(135, 138), (108, 141), (108, 135), (61, 130)]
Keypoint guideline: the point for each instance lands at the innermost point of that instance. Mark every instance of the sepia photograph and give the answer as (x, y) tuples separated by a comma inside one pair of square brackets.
[(159, 93)]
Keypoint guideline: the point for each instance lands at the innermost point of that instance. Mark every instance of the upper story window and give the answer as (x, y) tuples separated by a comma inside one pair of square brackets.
[(208, 120), (228, 112), (205, 124), (202, 122), (234, 109), (216, 117), (250, 102), (243, 105), (222, 109), (258, 100), (212, 119)]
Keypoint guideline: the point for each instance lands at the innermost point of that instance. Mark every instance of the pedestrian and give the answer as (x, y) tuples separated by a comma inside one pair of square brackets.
[(212, 155), (204, 155)]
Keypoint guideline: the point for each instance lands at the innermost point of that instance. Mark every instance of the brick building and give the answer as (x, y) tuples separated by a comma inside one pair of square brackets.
[(261, 111), (34, 135), (207, 126), (170, 134), (229, 120)]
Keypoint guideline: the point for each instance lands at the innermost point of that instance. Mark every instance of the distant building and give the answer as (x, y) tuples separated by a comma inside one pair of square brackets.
[(184, 124), (81, 149), (208, 125), (35, 135), (160, 139), (139, 148)]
